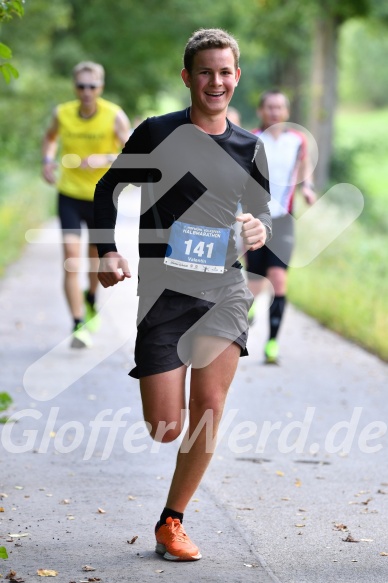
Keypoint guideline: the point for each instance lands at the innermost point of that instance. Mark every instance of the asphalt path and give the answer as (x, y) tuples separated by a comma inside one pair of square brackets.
[(297, 490)]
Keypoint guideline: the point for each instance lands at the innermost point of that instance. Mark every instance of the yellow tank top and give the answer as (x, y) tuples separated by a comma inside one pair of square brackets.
[(79, 139)]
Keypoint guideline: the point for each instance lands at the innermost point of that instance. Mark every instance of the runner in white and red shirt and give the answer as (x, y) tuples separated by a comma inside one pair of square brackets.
[(289, 165)]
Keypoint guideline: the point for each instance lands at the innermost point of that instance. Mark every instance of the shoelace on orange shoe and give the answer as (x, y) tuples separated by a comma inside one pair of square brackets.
[(177, 530)]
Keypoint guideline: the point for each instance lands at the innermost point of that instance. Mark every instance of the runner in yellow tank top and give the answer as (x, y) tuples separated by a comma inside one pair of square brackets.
[(88, 132), (80, 138)]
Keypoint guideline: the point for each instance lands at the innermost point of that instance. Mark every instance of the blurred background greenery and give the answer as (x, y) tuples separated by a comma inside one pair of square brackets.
[(328, 56)]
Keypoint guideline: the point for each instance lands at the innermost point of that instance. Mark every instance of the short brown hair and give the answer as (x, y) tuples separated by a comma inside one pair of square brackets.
[(209, 38), (91, 67), (266, 94)]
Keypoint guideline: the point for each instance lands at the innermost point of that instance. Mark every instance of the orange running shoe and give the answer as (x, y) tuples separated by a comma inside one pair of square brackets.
[(173, 543)]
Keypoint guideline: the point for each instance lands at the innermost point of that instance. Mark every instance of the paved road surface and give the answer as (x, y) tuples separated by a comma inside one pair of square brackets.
[(79, 478)]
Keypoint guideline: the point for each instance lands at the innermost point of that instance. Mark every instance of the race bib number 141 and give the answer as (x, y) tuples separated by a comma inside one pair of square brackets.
[(197, 248)]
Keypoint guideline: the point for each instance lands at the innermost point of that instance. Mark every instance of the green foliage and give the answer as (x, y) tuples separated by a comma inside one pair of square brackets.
[(26, 201), (140, 45), (5, 402), (8, 8), (363, 43), (346, 8), (343, 287), (343, 164), (361, 135), (3, 553)]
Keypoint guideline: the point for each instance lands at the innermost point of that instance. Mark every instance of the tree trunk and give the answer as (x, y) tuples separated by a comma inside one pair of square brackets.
[(324, 93), (288, 77)]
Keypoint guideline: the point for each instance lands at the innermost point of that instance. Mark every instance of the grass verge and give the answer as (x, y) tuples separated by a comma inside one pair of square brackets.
[(345, 287), (26, 201)]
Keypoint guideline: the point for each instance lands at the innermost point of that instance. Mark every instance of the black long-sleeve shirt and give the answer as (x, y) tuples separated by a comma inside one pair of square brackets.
[(190, 177)]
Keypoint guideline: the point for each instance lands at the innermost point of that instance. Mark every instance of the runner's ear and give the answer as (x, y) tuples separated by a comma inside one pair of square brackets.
[(186, 77)]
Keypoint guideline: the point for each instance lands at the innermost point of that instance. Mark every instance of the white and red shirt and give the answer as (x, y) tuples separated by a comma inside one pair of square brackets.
[(284, 155)]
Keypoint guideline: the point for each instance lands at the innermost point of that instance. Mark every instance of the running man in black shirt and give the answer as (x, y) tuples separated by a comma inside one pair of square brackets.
[(193, 302)]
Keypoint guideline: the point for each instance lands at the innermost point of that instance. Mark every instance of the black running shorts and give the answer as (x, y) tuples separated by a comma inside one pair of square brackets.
[(277, 254), (174, 317), (73, 212)]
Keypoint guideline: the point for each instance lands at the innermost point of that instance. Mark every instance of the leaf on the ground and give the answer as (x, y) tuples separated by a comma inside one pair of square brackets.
[(340, 526), (2, 509), (3, 495), (12, 577), (5, 398), (366, 540), (279, 473), (131, 498), (20, 535), (286, 499), (300, 525), (219, 531), (3, 553), (379, 491), (47, 573), (298, 483), (70, 517), (101, 511), (383, 554), (366, 502), (350, 539), (247, 565), (133, 539), (19, 487), (159, 571), (88, 568), (65, 501)]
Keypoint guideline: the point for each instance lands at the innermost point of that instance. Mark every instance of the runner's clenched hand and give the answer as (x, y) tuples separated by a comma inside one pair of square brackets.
[(113, 269), (253, 231)]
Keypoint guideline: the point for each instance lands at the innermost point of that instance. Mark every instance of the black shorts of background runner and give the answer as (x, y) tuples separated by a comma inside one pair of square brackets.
[(177, 318), (73, 212), (277, 253)]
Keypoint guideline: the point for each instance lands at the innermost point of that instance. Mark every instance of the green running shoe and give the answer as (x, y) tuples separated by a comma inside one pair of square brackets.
[(271, 351), (81, 337), (92, 317)]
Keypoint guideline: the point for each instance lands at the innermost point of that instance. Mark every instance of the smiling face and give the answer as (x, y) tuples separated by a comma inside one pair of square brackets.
[(211, 81)]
